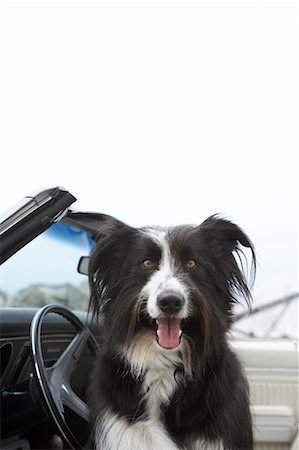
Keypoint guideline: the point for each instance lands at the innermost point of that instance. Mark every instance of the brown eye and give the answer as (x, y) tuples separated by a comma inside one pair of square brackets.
[(148, 264), (190, 264)]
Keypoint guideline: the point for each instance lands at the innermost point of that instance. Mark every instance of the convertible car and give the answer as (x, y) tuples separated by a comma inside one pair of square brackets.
[(48, 339)]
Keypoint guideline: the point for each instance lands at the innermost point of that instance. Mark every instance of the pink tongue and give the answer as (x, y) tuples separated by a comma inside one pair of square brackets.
[(169, 332)]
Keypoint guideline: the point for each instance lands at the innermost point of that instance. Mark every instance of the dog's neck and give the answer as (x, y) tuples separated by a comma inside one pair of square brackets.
[(160, 370)]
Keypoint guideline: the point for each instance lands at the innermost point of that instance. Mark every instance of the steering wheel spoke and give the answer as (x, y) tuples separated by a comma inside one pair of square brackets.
[(74, 402), (62, 370)]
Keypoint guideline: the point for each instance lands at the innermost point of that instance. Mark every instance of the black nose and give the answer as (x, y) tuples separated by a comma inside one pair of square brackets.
[(170, 302)]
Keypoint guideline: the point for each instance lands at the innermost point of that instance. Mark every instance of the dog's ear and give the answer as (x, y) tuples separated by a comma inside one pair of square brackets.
[(225, 241), (112, 241), (108, 224)]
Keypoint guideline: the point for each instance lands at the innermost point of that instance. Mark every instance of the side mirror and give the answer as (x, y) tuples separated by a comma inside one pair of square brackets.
[(83, 265)]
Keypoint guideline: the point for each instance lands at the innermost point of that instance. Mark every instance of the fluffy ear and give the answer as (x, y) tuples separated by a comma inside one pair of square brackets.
[(106, 261), (225, 240)]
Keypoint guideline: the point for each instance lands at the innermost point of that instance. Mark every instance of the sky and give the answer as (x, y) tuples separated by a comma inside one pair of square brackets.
[(158, 113)]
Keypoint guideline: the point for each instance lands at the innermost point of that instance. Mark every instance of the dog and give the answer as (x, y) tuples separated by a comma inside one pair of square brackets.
[(165, 377)]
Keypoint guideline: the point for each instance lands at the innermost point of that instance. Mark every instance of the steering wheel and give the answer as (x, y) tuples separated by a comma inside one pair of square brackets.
[(54, 382)]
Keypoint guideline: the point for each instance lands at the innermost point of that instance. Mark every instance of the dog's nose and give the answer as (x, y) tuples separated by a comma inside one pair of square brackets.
[(170, 302)]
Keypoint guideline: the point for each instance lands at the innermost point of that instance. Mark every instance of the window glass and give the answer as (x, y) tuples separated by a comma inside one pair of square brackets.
[(45, 271)]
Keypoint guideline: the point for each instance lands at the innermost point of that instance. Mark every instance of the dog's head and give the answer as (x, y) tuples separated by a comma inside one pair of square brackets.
[(170, 283)]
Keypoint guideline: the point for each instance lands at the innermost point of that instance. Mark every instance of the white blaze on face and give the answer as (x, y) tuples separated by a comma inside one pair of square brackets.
[(165, 278)]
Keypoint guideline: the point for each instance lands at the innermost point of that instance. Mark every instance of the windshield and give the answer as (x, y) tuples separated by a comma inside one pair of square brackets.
[(45, 271)]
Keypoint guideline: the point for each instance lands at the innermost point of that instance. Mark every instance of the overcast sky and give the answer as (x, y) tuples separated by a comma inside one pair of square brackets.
[(158, 112)]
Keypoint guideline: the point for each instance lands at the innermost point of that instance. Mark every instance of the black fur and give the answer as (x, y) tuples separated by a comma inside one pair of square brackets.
[(212, 403)]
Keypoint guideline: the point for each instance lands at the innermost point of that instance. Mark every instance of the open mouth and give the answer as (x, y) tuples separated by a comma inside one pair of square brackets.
[(168, 332)]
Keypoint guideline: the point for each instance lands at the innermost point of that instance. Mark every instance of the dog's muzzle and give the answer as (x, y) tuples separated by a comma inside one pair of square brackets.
[(169, 324)]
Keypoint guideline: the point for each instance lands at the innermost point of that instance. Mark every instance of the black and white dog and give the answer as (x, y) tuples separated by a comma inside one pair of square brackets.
[(166, 378)]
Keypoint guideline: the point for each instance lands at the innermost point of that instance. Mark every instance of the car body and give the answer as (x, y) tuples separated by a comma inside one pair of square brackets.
[(44, 244)]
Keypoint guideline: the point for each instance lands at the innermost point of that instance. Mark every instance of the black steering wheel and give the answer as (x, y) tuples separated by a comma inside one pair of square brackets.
[(54, 382)]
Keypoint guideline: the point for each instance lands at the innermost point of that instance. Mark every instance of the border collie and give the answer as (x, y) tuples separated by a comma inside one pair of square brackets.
[(165, 377)]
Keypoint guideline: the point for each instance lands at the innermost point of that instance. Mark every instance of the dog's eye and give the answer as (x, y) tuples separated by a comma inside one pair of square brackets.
[(191, 264), (148, 264)]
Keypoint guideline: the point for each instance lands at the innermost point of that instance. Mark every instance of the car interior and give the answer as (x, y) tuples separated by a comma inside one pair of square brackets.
[(48, 338)]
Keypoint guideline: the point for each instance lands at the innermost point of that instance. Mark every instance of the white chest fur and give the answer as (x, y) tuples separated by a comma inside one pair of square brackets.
[(157, 368)]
